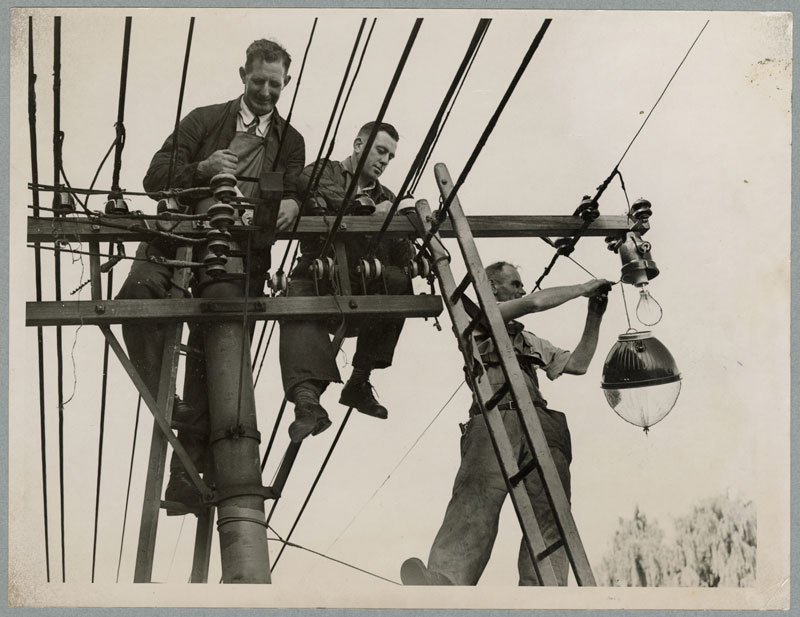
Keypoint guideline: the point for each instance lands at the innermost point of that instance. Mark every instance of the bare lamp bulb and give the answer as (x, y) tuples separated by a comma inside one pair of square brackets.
[(648, 311)]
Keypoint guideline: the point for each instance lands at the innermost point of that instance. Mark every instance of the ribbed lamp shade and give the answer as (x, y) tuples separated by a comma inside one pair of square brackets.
[(640, 379)]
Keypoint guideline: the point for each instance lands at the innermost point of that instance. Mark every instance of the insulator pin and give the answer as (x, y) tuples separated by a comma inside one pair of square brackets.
[(221, 215), (371, 269), (116, 205), (418, 266), (219, 242), (322, 269), (223, 187), (641, 210), (63, 203), (215, 264), (279, 282), (587, 209)]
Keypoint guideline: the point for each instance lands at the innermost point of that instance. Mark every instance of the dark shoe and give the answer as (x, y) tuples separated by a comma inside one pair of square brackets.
[(181, 490), (185, 418), (310, 419), (414, 572), (359, 395)]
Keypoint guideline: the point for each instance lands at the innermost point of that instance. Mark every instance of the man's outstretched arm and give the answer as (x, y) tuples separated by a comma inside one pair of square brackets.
[(583, 353)]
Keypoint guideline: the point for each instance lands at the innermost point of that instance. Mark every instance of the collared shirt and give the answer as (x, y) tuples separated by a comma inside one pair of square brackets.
[(533, 353), (350, 169), (245, 119)]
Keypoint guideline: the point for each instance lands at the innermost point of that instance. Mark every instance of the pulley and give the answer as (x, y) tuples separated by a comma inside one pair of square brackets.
[(219, 241), (221, 215), (418, 265), (63, 203), (279, 282), (223, 187), (371, 269), (215, 264), (322, 268), (116, 205)]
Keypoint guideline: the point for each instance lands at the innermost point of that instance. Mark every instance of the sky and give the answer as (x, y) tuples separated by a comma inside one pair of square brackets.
[(714, 160)]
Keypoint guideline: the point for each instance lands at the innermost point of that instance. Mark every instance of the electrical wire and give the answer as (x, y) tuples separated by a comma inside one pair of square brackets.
[(427, 144), (38, 282), (313, 486), (395, 468), (130, 479), (103, 393), (615, 172), (174, 153), (57, 141), (371, 139), (319, 554)]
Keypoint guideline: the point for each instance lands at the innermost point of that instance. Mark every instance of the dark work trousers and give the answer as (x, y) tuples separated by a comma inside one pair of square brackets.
[(145, 344), (305, 345), (464, 543)]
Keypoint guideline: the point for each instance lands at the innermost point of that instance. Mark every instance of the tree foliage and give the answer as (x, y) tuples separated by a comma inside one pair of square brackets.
[(714, 545)]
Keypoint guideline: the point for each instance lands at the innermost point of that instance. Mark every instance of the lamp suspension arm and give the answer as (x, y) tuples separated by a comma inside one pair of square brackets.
[(368, 146), (315, 170), (441, 215), (120, 125), (38, 278), (174, 153), (567, 248), (427, 144)]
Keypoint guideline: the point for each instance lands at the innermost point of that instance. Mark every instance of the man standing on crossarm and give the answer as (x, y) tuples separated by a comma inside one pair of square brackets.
[(308, 363), (241, 137), (464, 542)]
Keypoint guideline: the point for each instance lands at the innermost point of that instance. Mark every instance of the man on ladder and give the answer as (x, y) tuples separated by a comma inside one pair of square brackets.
[(464, 542)]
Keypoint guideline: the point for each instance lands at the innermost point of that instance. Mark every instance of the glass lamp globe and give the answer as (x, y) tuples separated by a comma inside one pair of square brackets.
[(641, 379)]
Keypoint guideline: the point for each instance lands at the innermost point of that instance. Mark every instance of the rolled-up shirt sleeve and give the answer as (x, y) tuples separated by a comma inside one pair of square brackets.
[(553, 358)]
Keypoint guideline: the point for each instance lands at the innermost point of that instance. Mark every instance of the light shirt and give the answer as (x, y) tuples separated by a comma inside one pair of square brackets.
[(245, 119)]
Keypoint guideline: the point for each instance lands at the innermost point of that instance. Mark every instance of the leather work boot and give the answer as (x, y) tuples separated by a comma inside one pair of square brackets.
[(180, 489), (310, 419), (414, 572), (359, 395)]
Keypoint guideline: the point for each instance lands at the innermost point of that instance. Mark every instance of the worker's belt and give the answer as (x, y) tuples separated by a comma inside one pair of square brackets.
[(507, 406)]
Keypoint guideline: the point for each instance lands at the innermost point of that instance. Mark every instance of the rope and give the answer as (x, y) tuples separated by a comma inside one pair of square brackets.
[(120, 125), (368, 146), (38, 278), (130, 478), (311, 490), (174, 153), (57, 139), (339, 561), (103, 392), (427, 144), (400, 462)]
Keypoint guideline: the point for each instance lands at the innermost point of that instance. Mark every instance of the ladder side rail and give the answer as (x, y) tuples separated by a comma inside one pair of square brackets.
[(151, 505), (494, 423), (532, 428)]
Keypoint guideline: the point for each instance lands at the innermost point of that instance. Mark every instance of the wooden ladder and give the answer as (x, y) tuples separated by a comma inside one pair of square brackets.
[(463, 326)]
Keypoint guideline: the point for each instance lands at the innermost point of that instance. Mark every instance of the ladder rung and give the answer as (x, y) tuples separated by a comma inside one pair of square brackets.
[(531, 466), (497, 396), (550, 550), (461, 288)]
